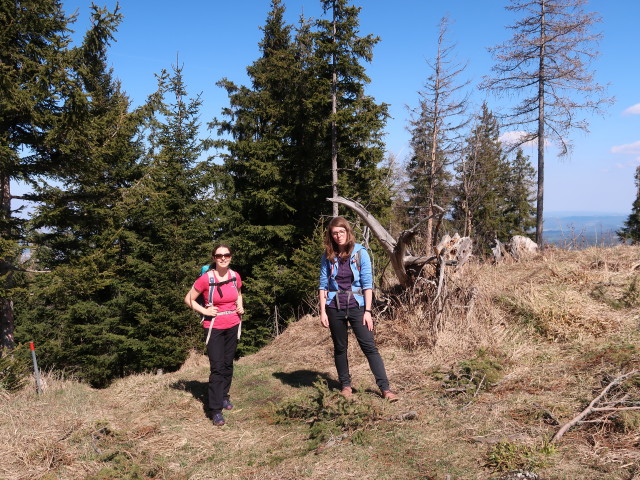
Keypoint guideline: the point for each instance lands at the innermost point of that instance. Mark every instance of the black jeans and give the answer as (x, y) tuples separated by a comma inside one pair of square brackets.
[(221, 350), (338, 325)]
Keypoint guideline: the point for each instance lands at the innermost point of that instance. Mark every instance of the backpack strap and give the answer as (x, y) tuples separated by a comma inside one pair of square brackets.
[(212, 283), (357, 259)]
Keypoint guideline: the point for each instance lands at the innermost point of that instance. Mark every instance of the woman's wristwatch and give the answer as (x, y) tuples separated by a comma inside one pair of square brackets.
[(367, 310)]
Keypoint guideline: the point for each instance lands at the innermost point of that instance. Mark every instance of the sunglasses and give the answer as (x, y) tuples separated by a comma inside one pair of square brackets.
[(219, 256)]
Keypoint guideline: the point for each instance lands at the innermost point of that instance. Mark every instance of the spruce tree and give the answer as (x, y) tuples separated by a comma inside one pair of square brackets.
[(76, 233), (341, 50), (480, 190), (35, 90), (143, 254), (519, 212), (100, 149), (631, 229), (493, 195), (259, 205), (166, 232), (277, 155)]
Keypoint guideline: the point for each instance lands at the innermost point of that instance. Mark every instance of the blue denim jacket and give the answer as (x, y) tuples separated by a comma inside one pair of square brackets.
[(362, 279)]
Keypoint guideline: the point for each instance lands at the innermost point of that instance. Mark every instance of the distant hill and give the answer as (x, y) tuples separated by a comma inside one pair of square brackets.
[(582, 228)]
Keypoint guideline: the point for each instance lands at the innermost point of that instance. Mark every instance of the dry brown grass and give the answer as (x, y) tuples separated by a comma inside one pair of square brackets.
[(559, 324)]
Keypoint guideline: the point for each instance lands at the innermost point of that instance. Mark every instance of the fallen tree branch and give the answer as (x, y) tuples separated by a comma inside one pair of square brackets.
[(15, 268), (614, 409), (593, 405)]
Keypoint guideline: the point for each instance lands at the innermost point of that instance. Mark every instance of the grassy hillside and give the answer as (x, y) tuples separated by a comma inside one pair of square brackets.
[(531, 345)]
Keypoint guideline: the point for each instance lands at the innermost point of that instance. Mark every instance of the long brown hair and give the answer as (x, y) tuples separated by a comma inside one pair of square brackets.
[(331, 248)]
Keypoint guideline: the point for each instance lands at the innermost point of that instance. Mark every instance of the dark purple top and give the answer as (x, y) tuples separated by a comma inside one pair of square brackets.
[(344, 278)]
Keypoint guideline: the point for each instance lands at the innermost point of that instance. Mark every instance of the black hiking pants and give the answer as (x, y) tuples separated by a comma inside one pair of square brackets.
[(339, 321), (221, 350)]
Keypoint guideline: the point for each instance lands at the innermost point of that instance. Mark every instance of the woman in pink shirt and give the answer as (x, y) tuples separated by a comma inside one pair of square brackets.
[(222, 309)]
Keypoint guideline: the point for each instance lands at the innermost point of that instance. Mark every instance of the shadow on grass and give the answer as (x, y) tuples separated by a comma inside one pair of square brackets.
[(305, 378), (195, 388)]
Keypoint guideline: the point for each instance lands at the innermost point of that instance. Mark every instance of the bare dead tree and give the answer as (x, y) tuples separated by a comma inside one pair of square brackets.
[(435, 127), (547, 64)]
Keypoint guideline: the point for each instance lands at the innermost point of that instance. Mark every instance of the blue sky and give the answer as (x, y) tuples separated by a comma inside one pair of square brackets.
[(216, 39)]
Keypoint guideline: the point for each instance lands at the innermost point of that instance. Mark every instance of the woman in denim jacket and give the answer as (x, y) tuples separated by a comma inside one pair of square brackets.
[(345, 294)]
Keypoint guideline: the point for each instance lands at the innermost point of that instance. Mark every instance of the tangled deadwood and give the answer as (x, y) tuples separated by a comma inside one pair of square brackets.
[(449, 252), (422, 280)]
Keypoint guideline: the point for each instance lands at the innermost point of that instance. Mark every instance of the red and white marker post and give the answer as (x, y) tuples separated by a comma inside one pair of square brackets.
[(36, 371)]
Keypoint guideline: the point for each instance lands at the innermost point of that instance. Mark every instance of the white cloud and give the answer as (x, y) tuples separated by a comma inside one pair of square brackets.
[(633, 110), (628, 149), (512, 138)]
